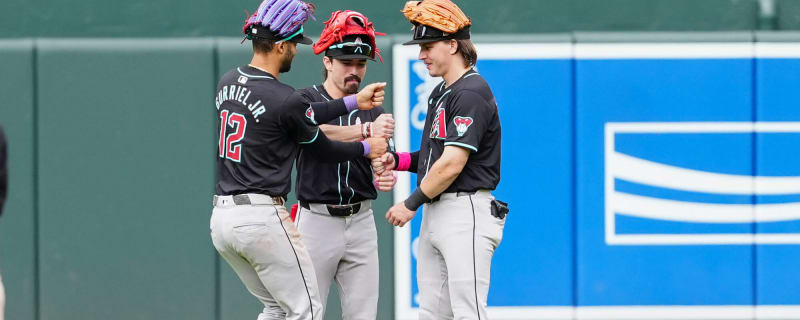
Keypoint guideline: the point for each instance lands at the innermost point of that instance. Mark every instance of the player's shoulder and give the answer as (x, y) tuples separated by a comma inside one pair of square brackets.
[(228, 77), (296, 100), (473, 81), (473, 86), (312, 93)]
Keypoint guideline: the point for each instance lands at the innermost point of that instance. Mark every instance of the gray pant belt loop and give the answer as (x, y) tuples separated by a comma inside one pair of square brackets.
[(344, 210), (246, 199)]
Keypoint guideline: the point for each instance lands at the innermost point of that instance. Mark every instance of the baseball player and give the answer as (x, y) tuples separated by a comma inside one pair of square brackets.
[(262, 121), (335, 215), (458, 165)]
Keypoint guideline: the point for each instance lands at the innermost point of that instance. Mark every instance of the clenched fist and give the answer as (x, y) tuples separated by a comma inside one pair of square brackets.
[(385, 182), (383, 163), (371, 96), (377, 147), (383, 126), (398, 215)]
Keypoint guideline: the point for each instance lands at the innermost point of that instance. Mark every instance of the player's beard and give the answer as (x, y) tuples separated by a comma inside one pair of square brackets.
[(350, 88), (286, 63)]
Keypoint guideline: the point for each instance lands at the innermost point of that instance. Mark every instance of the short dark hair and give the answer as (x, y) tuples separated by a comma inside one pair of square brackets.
[(467, 51), (262, 45)]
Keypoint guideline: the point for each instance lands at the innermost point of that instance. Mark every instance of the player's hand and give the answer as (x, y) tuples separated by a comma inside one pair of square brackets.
[(385, 182), (377, 147), (383, 126), (371, 96), (399, 215), (383, 163)]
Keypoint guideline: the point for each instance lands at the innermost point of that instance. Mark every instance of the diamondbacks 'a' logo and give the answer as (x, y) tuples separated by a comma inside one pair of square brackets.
[(310, 114), (462, 124), (439, 126)]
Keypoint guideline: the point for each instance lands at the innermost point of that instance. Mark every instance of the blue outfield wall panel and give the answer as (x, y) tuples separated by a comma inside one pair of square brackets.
[(536, 179), (777, 100), (621, 106)]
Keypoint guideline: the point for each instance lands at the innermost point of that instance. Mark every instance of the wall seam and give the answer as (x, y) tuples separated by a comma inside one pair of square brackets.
[(574, 171), (217, 275), (36, 246)]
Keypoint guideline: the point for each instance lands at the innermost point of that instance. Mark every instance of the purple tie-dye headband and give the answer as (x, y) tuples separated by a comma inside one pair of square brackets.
[(283, 17)]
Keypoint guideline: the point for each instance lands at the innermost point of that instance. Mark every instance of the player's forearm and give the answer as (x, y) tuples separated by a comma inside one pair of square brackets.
[(342, 133), (326, 111), (327, 150), (440, 176)]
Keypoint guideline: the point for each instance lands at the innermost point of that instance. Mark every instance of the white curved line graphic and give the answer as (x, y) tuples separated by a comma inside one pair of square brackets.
[(661, 175), (671, 210)]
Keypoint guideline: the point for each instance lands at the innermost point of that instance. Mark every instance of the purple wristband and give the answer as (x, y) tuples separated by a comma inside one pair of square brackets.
[(350, 102), (366, 147)]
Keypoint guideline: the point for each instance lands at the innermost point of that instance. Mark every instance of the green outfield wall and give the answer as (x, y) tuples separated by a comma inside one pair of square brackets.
[(112, 147), (184, 18)]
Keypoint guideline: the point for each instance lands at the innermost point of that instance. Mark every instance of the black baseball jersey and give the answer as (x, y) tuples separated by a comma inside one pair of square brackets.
[(463, 115), (346, 182), (260, 128)]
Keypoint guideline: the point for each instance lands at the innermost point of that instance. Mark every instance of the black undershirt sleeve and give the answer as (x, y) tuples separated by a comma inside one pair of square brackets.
[(324, 111), (414, 161), (412, 167), (327, 150)]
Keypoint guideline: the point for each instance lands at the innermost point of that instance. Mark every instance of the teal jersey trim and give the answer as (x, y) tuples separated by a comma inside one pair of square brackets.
[(313, 139), (252, 76), (463, 145)]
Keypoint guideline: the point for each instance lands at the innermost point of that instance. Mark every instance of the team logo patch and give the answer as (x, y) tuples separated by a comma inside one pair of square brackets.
[(462, 124), (310, 114), (243, 79), (439, 125), (358, 45)]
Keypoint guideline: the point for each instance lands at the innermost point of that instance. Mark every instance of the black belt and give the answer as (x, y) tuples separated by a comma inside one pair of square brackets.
[(338, 210), (458, 194)]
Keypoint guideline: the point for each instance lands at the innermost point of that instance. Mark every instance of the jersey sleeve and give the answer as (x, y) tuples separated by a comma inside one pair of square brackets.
[(298, 118), (306, 94), (467, 120)]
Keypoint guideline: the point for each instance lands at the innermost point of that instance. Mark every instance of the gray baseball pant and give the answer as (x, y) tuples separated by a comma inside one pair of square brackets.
[(344, 249), (262, 245), (457, 240)]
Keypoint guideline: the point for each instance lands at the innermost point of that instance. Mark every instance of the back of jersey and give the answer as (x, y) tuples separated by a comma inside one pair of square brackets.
[(255, 152)]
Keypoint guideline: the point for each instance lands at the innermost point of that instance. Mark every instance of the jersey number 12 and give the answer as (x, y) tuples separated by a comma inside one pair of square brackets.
[(230, 146)]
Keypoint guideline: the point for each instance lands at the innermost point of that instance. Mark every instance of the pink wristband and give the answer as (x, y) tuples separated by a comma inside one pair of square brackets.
[(405, 161)]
